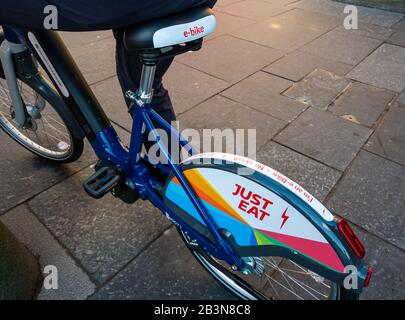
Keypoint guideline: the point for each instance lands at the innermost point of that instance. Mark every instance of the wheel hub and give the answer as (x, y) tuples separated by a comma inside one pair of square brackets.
[(253, 265), (34, 111)]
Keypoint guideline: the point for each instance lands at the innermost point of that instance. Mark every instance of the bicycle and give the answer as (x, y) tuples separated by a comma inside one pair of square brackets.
[(260, 235)]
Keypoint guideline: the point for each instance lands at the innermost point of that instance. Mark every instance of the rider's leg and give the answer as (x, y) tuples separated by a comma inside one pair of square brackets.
[(129, 68)]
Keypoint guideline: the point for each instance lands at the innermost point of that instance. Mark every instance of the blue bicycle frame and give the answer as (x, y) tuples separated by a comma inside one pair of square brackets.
[(50, 51), (107, 146)]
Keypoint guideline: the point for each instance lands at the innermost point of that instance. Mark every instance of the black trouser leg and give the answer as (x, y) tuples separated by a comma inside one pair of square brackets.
[(129, 69)]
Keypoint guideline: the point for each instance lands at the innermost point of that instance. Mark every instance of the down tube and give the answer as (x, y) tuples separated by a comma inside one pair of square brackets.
[(49, 49)]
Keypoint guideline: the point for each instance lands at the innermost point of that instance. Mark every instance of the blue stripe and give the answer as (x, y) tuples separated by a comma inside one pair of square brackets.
[(243, 233)]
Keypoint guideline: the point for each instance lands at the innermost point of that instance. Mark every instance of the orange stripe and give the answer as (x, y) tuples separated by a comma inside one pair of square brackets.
[(203, 195), (205, 186), (205, 191)]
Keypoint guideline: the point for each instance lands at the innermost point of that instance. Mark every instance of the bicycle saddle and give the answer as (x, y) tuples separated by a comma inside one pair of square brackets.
[(175, 29)]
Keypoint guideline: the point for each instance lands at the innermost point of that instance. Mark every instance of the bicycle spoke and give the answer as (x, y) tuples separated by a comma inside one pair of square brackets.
[(301, 284), (281, 285), (55, 129)]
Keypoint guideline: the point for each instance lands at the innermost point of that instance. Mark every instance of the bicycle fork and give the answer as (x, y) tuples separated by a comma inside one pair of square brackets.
[(7, 50)]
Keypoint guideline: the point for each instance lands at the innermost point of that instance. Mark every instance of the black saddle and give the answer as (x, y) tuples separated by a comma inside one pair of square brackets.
[(172, 30)]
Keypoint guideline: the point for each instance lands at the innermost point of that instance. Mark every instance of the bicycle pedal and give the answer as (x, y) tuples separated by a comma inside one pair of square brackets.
[(101, 182)]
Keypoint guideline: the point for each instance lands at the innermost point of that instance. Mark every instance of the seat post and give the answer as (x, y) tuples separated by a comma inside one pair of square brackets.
[(149, 59), (145, 91)]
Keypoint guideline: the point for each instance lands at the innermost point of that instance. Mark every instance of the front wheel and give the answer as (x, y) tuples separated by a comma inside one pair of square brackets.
[(46, 132)]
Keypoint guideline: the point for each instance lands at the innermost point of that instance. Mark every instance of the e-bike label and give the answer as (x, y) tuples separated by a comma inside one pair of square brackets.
[(55, 76), (184, 32), (273, 174)]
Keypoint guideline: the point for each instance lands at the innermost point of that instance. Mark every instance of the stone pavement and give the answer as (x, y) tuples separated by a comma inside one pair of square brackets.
[(329, 106)]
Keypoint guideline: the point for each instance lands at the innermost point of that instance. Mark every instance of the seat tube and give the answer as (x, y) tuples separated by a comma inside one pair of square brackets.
[(143, 96)]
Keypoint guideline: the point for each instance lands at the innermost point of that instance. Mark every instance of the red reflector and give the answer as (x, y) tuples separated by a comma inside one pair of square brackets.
[(368, 277), (351, 238)]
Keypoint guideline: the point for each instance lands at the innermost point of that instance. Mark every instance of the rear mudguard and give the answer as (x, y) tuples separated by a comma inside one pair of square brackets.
[(263, 213)]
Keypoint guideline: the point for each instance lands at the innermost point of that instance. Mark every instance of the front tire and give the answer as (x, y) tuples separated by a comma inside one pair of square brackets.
[(47, 133)]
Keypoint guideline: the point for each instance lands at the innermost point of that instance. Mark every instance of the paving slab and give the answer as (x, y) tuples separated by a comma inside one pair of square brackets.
[(322, 6), (79, 39), (288, 31), (165, 270), (371, 196), (366, 15), (227, 23), (398, 38), (96, 60), (318, 89), (220, 56), (282, 108), (389, 5), (383, 68), (261, 91), (369, 30), (297, 65), (73, 282), (400, 25), (324, 137), (28, 175), (401, 97), (362, 103), (223, 3), (189, 87), (222, 113), (389, 138), (110, 96), (382, 18), (314, 20), (388, 263), (259, 81), (105, 234), (315, 177), (342, 46), (281, 2), (254, 9)]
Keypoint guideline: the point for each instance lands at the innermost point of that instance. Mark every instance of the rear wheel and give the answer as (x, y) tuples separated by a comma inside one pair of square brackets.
[(275, 279), (285, 237), (45, 133)]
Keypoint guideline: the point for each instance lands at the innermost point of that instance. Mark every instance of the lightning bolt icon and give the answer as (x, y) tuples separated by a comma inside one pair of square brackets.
[(285, 218)]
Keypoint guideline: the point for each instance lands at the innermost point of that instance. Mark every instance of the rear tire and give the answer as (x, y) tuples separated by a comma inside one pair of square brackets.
[(277, 263), (236, 285)]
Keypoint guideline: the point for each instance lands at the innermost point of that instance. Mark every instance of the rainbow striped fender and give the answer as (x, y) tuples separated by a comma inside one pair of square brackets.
[(264, 212)]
